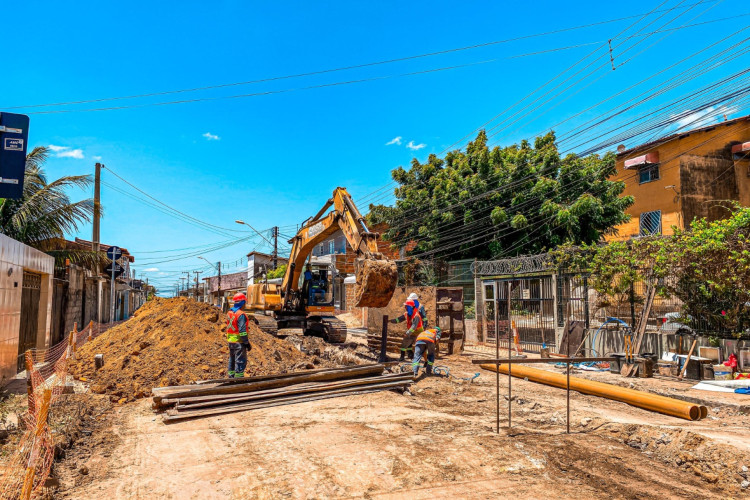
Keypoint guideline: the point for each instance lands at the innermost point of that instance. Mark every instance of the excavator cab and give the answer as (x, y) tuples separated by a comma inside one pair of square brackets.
[(318, 291)]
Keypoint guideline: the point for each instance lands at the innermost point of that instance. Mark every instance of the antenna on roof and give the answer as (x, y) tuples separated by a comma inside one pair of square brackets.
[(621, 148)]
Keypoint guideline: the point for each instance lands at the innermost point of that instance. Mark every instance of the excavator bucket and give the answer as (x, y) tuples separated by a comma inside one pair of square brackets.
[(376, 281)]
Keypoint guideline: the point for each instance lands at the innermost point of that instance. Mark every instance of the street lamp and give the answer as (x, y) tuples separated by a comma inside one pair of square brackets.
[(218, 268), (251, 227)]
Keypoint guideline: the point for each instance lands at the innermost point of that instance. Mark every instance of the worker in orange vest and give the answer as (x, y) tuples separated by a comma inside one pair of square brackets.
[(426, 342), (237, 337), (414, 325)]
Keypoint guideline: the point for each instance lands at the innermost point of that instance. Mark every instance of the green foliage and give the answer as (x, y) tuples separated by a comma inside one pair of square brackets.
[(519, 199), (277, 273), (44, 213), (706, 266)]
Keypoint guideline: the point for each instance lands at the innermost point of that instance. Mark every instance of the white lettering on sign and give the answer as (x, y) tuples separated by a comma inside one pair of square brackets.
[(316, 229), (526, 294), (9, 181), (13, 144)]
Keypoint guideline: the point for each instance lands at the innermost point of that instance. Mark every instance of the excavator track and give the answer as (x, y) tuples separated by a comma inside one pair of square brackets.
[(335, 330), (266, 323)]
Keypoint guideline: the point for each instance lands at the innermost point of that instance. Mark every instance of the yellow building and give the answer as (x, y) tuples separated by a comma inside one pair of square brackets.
[(683, 176)]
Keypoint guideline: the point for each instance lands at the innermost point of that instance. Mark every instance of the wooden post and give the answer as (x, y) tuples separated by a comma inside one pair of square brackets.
[(71, 353), (91, 329), (384, 340), (40, 427), (30, 383)]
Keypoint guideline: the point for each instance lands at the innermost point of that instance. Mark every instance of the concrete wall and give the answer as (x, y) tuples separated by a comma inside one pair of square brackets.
[(699, 165), (15, 257)]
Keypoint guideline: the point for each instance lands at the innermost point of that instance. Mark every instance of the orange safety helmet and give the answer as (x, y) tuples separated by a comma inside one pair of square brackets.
[(239, 297)]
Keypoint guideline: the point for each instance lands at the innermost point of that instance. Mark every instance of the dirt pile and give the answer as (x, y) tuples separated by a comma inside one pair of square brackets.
[(175, 342)]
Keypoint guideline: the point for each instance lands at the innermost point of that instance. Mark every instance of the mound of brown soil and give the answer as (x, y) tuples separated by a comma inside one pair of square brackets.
[(175, 342)]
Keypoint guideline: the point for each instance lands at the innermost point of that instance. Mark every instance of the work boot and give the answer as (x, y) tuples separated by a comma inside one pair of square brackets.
[(403, 353)]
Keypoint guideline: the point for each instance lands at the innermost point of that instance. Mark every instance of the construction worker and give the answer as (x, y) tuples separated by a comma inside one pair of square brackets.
[(414, 326), (237, 337), (426, 341)]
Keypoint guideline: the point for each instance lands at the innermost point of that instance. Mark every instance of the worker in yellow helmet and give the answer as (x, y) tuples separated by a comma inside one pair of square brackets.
[(426, 342)]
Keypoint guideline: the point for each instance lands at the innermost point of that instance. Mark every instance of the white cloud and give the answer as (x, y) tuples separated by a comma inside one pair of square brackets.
[(97, 158), (415, 147), (66, 152), (395, 140), (703, 117), (211, 137), (151, 270), (73, 153)]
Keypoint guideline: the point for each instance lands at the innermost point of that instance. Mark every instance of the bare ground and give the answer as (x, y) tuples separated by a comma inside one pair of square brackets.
[(440, 442)]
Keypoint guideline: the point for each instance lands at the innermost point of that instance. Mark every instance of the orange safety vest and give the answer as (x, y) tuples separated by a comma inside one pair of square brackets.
[(233, 330), (429, 335), (410, 320)]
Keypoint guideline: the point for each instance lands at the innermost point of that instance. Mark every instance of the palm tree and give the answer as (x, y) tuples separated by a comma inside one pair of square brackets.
[(44, 214)]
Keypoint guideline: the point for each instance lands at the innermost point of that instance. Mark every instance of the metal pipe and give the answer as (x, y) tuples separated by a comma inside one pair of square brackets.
[(653, 402)]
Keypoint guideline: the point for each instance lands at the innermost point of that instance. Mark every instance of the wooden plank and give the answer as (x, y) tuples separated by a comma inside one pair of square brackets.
[(272, 384), (684, 367), (174, 415), (264, 395), (631, 369)]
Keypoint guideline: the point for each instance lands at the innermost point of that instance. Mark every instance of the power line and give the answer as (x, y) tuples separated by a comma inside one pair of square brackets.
[(344, 68)]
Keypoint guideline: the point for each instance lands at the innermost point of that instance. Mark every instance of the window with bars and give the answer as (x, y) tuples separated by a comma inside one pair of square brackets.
[(648, 173), (650, 223)]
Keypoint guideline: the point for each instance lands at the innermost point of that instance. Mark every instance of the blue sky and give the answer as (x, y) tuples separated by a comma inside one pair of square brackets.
[(274, 159)]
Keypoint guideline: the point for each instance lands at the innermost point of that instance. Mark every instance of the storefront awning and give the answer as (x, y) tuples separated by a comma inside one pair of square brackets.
[(647, 159)]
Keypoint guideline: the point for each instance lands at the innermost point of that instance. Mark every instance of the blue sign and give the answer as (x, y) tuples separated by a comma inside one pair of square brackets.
[(114, 253), (14, 138)]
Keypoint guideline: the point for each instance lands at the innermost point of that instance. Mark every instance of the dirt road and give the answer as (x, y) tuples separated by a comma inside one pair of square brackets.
[(438, 443)]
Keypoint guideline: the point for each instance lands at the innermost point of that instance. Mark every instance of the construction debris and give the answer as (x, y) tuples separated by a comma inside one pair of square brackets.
[(231, 395), (176, 341)]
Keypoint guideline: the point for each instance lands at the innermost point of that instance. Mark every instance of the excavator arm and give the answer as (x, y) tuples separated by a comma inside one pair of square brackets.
[(376, 276)]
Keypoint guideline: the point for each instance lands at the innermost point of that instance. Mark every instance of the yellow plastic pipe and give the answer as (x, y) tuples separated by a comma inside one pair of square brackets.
[(645, 400)]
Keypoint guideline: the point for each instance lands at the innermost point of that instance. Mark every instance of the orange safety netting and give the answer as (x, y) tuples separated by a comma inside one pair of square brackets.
[(25, 472)]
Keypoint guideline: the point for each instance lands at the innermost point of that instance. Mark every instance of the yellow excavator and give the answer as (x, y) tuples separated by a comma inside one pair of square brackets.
[(306, 299)]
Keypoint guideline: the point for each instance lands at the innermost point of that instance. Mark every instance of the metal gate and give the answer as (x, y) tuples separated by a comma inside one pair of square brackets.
[(527, 303), (31, 290)]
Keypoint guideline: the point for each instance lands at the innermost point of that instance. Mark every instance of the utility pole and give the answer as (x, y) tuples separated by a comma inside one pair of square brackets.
[(218, 291), (95, 237), (275, 246), (187, 284), (182, 287), (196, 283)]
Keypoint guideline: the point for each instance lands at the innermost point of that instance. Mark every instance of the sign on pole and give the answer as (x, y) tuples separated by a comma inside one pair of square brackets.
[(114, 253), (115, 268), (14, 138)]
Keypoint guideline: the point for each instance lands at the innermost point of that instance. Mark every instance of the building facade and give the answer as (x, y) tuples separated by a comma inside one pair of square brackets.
[(259, 263), (25, 303), (684, 176)]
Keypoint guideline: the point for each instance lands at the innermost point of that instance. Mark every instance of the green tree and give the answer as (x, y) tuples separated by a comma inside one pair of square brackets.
[(706, 266), (277, 273), (45, 213), (502, 202)]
